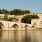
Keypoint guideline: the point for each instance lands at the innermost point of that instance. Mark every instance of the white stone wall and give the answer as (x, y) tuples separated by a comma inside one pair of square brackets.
[(11, 16), (7, 25), (33, 22), (38, 22)]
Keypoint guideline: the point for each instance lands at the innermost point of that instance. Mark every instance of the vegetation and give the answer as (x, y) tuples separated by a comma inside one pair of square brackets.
[(10, 19), (5, 17), (0, 11), (27, 11), (27, 18), (5, 11), (14, 12)]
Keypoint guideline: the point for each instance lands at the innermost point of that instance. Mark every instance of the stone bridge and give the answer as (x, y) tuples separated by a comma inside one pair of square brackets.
[(7, 25)]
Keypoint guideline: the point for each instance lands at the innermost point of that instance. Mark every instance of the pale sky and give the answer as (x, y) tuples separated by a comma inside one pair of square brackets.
[(32, 5)]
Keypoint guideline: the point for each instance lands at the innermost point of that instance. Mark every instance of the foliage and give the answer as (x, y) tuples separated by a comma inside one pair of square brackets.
[(0, 11), (14, 11), (11, 12), (5, 11), (27, 11), (5, 17), (19, 12), (10, 19), (27, 18)]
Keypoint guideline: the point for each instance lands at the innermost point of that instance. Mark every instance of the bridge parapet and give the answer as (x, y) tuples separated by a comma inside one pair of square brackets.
[(7, 25)]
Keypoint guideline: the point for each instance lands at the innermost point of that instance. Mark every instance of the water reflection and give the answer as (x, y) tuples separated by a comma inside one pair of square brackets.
[(4, 36), (17, 36), (0, 35), (36, 36), (21, 36), (26, 36)]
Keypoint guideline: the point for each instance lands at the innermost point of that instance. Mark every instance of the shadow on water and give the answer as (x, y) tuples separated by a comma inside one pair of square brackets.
[(0, 35), (27, 37), (17, 36)]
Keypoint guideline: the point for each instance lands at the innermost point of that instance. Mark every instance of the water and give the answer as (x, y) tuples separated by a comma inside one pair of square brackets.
[(21, 36)]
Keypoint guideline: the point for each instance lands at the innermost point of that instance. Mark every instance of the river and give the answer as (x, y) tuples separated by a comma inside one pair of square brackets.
[(21, 36)]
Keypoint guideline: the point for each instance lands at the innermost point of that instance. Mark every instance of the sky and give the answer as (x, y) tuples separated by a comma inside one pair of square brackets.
[(32, 5)]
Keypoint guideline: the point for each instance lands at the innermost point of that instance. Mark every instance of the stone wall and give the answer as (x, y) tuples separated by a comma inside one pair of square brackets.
[(7, 25)]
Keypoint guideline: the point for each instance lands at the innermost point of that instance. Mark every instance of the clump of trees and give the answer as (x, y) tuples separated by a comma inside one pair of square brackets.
[(4, 11), (14, 12), (27, 18)]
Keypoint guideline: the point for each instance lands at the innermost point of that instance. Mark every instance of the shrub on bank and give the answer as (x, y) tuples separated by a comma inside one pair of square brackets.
[(27, 18)]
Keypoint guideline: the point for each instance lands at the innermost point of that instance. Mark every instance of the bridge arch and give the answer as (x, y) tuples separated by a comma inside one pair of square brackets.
[(15, 26), (26, 26), (1, 26)]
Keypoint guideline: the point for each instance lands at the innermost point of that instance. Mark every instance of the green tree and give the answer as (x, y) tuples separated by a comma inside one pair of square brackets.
[(5, 11), (27, 18), (0, 11), (11, 12), (27, 11), (16, 12)]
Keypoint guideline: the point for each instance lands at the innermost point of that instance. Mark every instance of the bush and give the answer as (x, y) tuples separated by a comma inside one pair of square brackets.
[(27, 18), (5, 17), (11, 19)]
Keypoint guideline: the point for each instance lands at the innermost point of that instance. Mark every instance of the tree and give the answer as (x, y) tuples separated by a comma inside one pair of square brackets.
[(27, 11), (11, 12), (27, 18), (5, 11), (16, 12), (0, 11)]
